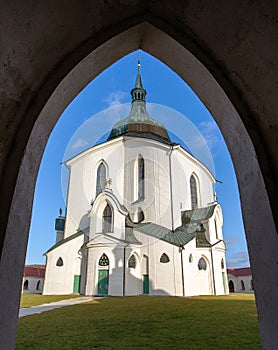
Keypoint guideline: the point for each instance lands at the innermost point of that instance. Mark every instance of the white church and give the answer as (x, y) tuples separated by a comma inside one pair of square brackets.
[(147, 221)]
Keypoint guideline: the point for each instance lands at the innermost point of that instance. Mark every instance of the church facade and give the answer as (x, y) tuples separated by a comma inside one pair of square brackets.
[(141, 217)]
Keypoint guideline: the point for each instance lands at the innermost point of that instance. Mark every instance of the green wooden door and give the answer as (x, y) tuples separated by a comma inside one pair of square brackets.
[(103, 276), (145, 284), (76, 284), (224, 282)]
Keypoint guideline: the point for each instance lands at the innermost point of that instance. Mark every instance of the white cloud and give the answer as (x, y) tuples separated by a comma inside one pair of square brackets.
[(115, 98), (79, 143), (238, 259), (210, 131), (232, 240)]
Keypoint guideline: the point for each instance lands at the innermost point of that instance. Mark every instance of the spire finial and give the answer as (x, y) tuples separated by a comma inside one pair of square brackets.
[(138, 62), (138, 93)]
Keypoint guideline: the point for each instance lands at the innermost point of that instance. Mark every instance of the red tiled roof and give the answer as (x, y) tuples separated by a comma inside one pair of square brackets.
[(244, 271), (30, 271)]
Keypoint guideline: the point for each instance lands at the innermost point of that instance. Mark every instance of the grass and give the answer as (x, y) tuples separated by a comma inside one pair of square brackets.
[(228, 322), (28, 300)]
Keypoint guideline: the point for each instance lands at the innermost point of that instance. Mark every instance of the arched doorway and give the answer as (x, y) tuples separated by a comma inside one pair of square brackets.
[(24, 158), (25, 285), (231, 287), (145, 274), (103, 275)]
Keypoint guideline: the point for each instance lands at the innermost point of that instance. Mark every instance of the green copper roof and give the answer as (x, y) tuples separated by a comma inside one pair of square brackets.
[(65, 240), (138, 122), (195, 216), (191, 228), (178, 237)]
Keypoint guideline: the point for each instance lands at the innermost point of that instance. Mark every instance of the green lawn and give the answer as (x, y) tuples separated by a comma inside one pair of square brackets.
[(162, 323), (28, 300)]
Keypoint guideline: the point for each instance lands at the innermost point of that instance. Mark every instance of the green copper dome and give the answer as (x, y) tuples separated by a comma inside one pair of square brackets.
[(139, 123)]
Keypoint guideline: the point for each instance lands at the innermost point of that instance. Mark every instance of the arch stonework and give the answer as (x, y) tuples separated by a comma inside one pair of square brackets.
[(43, 71)]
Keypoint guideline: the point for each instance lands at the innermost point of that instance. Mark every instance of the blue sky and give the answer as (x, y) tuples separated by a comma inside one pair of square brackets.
[(109, 90)]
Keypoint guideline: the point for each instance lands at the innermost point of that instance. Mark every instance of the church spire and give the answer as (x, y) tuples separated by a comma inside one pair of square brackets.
[(138, 123), (138, 93)]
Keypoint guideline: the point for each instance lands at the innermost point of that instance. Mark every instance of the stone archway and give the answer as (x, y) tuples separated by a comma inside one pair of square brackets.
[(231, 286), (108, 47)]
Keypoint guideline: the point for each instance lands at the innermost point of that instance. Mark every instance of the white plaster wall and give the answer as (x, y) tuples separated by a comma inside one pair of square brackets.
[(59, 279), (82, 185), (156, 204), (215, 222), (164, 278), (184, 166), (96, 216), (246, 280), (218, 255), (133, 277), (190, 282), (115, 256), (32, 284), (234, 280)]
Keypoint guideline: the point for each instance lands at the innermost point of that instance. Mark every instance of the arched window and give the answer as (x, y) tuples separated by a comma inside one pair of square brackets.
[(252, 285), (60, 262), (101, 178), (141, 178), (216, 229), (107, 219), (25, 285), (164, 258), (38, 285), (132, 262), (193, 192), (103, 261), (242, 285), (222, 264), (231, 287), (190, 258), (202, 265)]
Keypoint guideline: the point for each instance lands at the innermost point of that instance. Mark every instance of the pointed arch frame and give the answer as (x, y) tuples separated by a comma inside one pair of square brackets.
[(197, 190), (99, 187), (155, 37)]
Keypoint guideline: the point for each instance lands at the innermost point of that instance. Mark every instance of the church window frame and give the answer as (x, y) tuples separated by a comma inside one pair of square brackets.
[(202, 264), (108, 219), (59, 262), (164, 258), (101, 176), (132, 262), (139, 178), (194, 191), (216, 229), (222, 264), (103, 261)]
